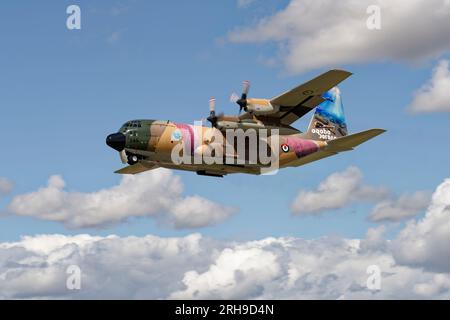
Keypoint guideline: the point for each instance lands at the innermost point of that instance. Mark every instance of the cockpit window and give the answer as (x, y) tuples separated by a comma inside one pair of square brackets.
[(132, 124)]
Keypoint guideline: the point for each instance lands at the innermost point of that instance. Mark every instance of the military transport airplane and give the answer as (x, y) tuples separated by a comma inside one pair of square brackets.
[(149, 144)]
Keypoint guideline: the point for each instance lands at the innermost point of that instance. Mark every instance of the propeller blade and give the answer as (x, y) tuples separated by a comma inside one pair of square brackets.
[(212, 105), (123, 156), (245, 88), (212, 112), (234, 97)]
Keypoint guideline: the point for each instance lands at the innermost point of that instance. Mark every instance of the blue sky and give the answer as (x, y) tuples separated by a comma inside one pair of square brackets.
[(64, 91)]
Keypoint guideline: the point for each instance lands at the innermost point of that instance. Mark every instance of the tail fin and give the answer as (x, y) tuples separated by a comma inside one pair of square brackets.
[(328, 122)]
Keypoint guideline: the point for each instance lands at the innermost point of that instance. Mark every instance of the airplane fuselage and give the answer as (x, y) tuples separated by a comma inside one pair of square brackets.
[(246, 148)]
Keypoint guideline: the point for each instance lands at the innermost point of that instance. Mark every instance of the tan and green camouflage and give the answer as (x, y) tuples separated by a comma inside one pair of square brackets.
[(232, 142)]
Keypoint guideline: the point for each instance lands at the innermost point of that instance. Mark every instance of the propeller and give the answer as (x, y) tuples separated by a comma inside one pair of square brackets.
[(241, 101)]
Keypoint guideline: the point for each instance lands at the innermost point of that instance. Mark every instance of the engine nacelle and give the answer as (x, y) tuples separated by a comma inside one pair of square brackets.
[(260, 106), (260, 109)]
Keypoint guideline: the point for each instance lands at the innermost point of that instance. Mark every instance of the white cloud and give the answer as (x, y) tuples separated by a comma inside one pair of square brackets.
[(406, 206), (344, 188), (157, 194), (416, 264), (314, 34), (434, 96), (237, 273), (6, 186), (425, 243), (439, 284), (111, 267), (194, 267), (337, 191), (374, 240)]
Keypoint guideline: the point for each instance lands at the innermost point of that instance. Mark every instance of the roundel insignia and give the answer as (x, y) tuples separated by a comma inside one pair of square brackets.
[(176, 135), (285, 148), (308, 92)]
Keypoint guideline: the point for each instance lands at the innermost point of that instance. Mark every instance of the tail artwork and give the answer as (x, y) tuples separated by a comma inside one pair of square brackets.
[(328, 122)]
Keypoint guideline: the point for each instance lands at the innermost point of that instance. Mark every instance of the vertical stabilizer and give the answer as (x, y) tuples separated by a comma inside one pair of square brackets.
[(328, 122)]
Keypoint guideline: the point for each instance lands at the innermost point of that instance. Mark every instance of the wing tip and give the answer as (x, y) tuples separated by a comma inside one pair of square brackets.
[(135, 168), (378, 130), (122, 171), (342, 71)]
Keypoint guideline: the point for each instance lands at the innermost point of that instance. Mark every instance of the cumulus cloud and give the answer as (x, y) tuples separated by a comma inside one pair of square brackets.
[(405, 206), (425, 243), (415, 264), (195, 267), (439, 284), (374, 240), (157, 194), (111, 267), (237, 273), (434, 96), (315, 34), (337, 191), (345, 188), (6, 186)]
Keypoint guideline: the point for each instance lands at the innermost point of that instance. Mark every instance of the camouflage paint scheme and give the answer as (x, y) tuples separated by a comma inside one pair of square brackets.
[(148, 144)]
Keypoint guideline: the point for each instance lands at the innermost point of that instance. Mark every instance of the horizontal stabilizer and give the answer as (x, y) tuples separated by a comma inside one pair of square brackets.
[(136, 168), (335, 146), (349, 142)]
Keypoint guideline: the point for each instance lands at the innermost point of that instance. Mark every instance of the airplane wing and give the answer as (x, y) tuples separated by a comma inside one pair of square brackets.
[(136, 168), (335, 146), (297, 102)]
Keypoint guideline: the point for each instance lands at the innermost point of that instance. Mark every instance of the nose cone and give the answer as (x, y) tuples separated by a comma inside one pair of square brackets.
[(116, 141)]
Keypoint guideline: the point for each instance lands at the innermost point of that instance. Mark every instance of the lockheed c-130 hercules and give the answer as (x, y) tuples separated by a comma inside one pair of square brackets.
[(149, 144)]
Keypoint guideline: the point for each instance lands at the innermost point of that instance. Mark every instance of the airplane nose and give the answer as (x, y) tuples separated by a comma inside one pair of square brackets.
[(116, 141)]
